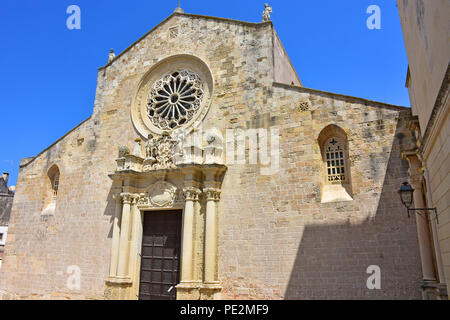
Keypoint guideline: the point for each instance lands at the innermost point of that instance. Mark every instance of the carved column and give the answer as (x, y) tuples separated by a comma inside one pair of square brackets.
[(212, 197), (115, 238), (191, 195), (423, 230), (122, 270), (135, 237)]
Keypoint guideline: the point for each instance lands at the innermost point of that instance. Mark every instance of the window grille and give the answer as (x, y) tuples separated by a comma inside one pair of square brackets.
[(335, 157), (55, 185)]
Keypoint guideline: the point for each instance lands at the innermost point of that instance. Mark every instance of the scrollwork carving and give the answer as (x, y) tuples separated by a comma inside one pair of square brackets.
[(161, 195)]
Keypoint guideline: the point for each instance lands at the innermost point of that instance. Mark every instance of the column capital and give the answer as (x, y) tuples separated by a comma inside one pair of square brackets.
[(212, 194), (129, 198), (192, 193)]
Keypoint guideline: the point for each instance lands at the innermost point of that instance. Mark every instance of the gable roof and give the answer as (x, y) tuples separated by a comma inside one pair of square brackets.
[(252, 24)]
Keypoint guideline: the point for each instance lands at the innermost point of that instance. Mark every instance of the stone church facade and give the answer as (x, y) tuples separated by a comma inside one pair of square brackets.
[(165, 192), (6, 202)]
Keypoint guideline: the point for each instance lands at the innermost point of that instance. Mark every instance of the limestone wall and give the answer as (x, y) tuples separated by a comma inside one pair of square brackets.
[(425, 27), (278, 241), (437, 158)]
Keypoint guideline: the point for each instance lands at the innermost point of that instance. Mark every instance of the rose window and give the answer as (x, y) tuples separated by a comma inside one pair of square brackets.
[(175, 99)]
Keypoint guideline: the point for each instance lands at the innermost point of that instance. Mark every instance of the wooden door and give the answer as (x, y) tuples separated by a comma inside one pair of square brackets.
[(160, 256)]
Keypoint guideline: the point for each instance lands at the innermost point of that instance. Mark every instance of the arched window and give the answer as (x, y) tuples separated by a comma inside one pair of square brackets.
[(336, 180), (52, 191), (55, 185), (54, 176)]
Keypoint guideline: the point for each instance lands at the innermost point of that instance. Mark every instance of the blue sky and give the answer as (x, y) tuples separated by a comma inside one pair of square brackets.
[(48, 73)]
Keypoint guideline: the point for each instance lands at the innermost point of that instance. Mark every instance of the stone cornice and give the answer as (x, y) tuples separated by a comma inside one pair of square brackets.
[(219, 170), (409, 153)]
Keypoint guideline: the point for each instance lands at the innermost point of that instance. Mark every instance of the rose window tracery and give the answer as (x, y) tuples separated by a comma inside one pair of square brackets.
[(175, 99)]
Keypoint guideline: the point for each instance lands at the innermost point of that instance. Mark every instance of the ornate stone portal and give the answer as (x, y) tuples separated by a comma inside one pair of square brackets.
[(167, 178)]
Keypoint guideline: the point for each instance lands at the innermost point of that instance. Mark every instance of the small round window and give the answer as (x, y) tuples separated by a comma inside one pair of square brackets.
[(175, 99)]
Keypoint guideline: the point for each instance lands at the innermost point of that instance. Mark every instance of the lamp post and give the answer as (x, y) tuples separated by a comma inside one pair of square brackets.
[(406, 193)]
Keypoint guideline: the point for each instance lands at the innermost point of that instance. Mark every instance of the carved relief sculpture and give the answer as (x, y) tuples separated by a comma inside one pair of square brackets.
[(160, 152), (161, 195)]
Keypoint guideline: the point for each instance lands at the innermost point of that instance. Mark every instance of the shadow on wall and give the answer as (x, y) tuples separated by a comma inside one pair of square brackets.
[(332, 260), (110, 209)]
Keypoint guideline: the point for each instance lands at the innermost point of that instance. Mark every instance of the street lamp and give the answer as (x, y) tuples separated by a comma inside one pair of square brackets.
[(406, 193)]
